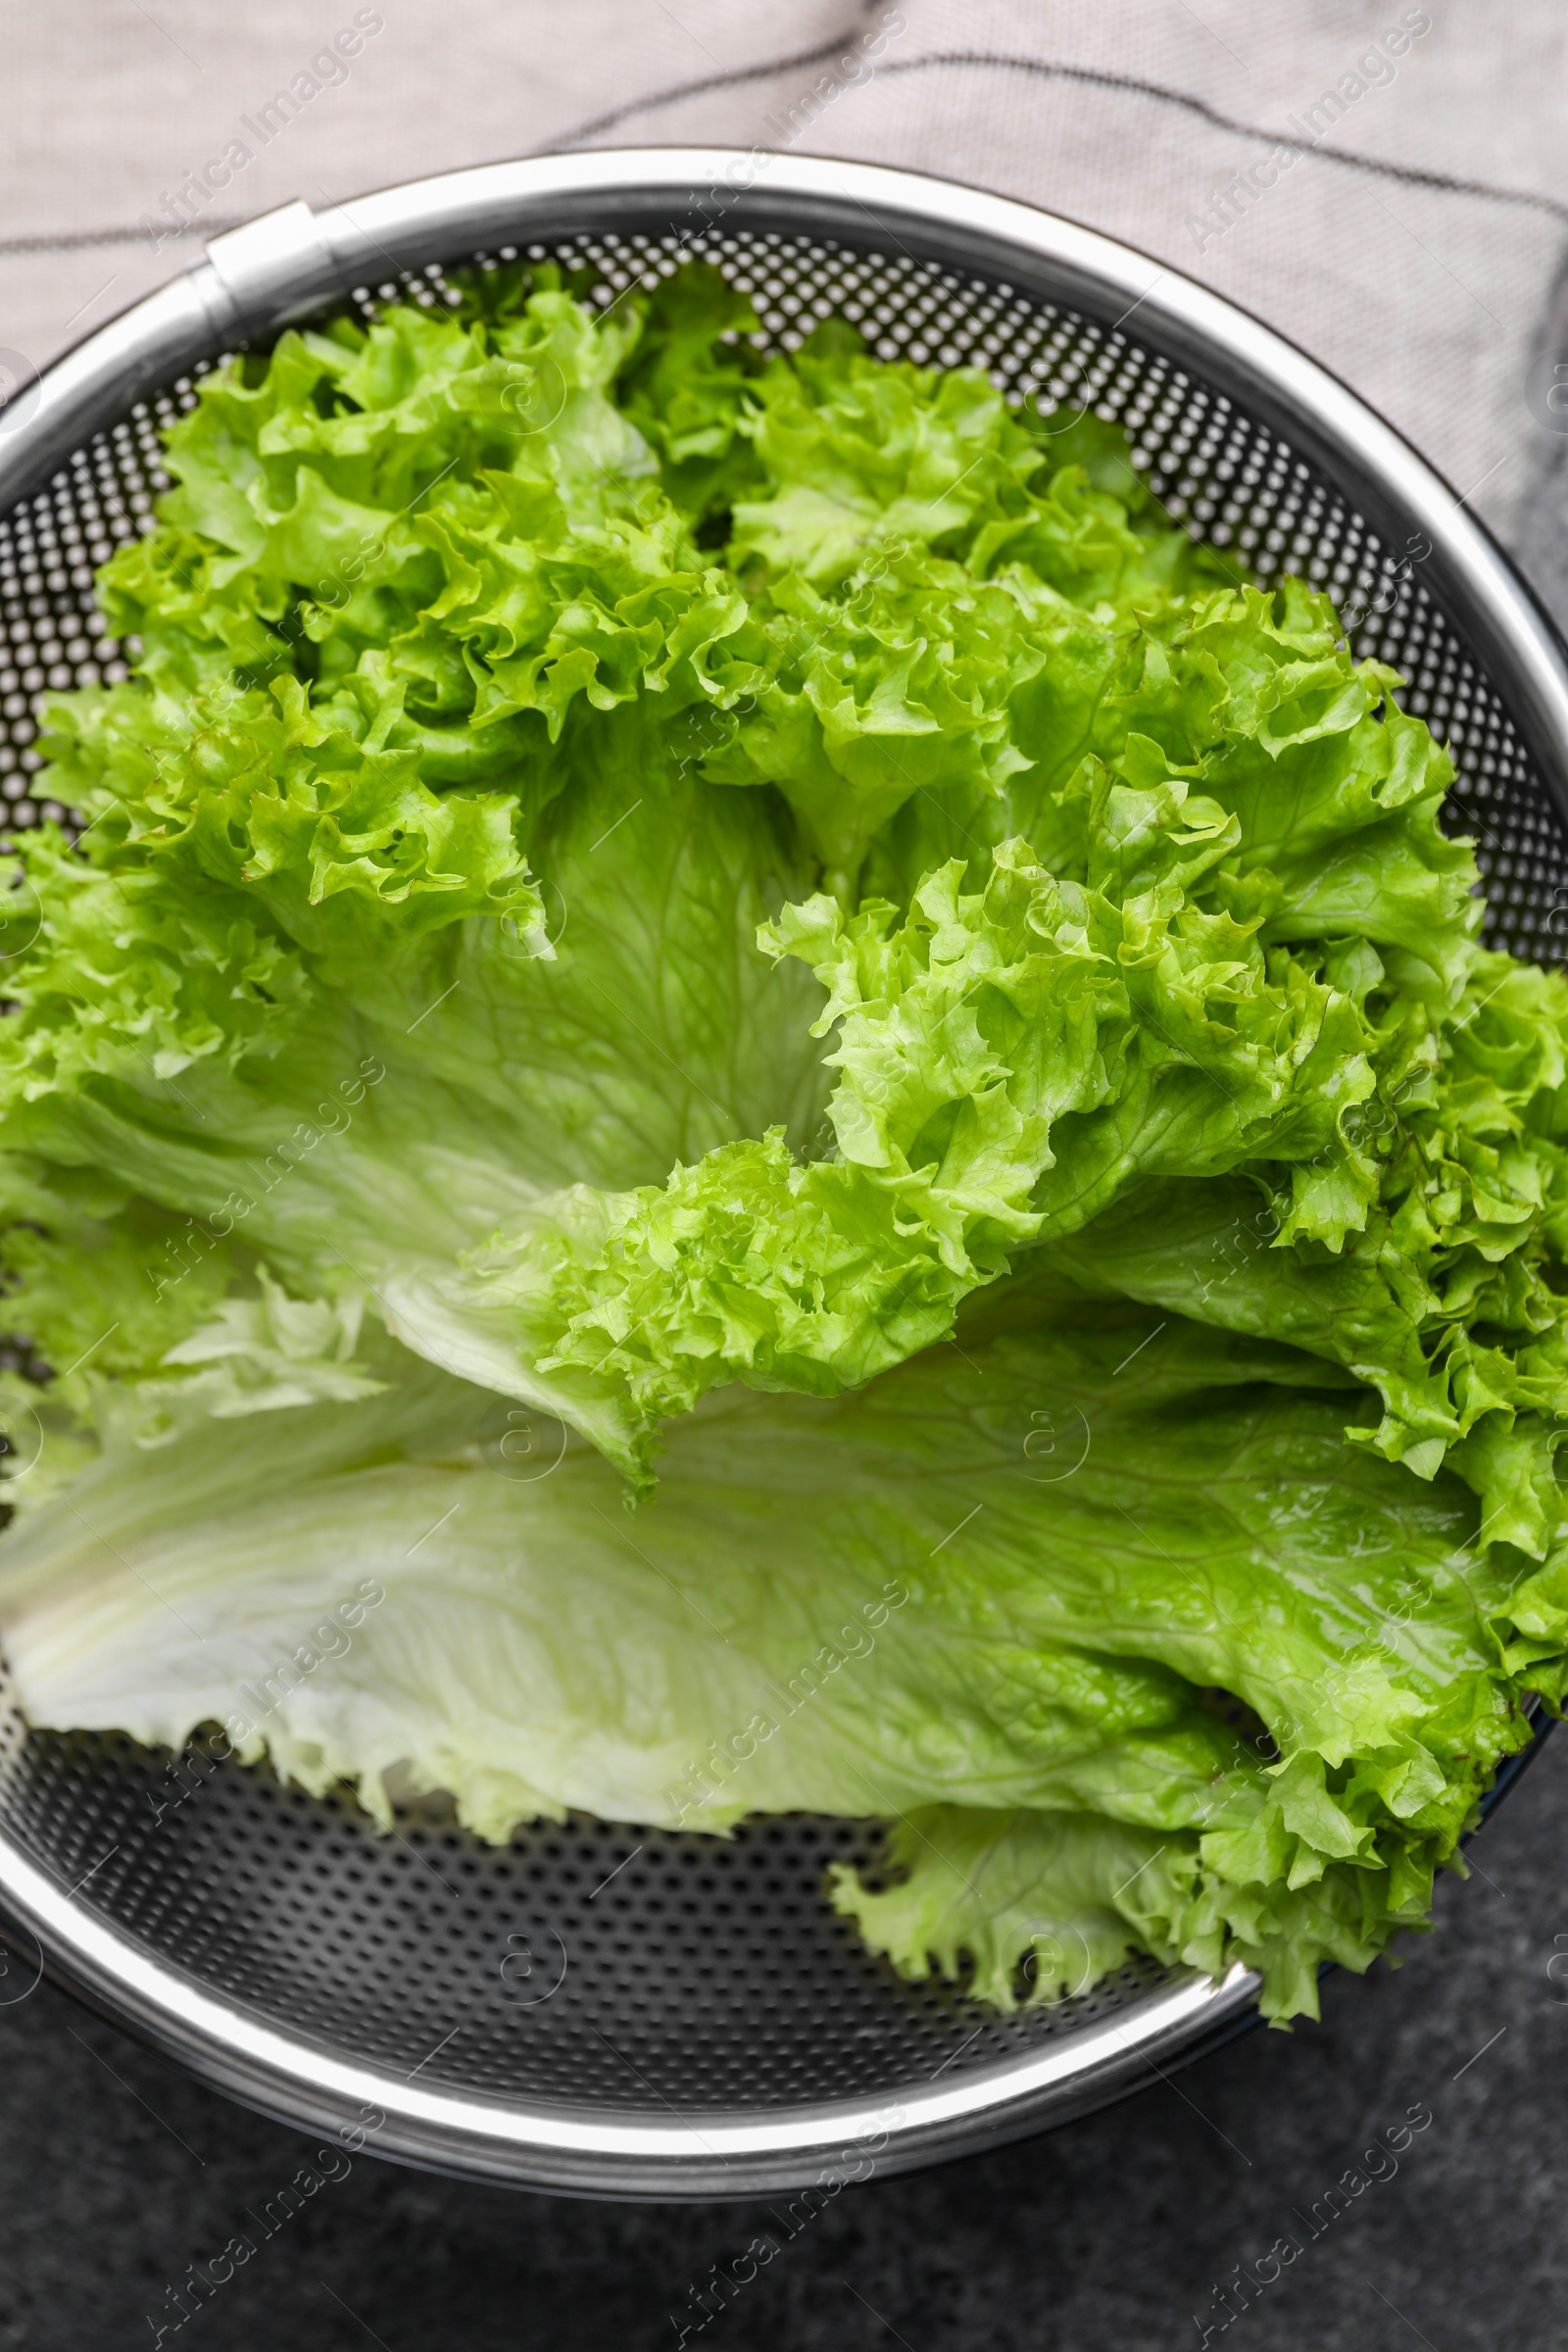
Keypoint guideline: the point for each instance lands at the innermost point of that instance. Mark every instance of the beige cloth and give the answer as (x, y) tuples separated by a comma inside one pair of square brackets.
[(1430, 300)]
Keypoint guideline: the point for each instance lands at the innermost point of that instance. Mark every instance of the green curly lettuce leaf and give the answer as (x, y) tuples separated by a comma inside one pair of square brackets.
[(1013, 1578), (755, 933)]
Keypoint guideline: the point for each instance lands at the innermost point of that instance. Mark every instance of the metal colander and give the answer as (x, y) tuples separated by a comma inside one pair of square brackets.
[(625, 2011)]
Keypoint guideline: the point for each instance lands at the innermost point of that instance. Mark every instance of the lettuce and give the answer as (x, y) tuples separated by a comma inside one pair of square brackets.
[(734, 1096), (888, 1602)]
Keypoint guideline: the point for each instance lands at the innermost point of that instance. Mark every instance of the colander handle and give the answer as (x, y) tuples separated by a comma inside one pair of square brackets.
[(252, 279), (270, 271)]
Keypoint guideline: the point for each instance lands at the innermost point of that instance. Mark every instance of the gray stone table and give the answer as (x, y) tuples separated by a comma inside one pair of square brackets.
[(1105, 2236)]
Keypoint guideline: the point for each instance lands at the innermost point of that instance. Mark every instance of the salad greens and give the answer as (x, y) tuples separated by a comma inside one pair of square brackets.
[(810, 1115)]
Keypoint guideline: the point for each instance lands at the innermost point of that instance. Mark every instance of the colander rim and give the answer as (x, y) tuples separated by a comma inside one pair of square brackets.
[(291, 262)]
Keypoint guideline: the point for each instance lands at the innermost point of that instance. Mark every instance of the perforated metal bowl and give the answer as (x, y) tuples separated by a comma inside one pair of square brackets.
[(622, 2011)]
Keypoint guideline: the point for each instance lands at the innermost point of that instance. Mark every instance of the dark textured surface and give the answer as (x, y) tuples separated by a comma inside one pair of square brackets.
[(115, 2174)]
